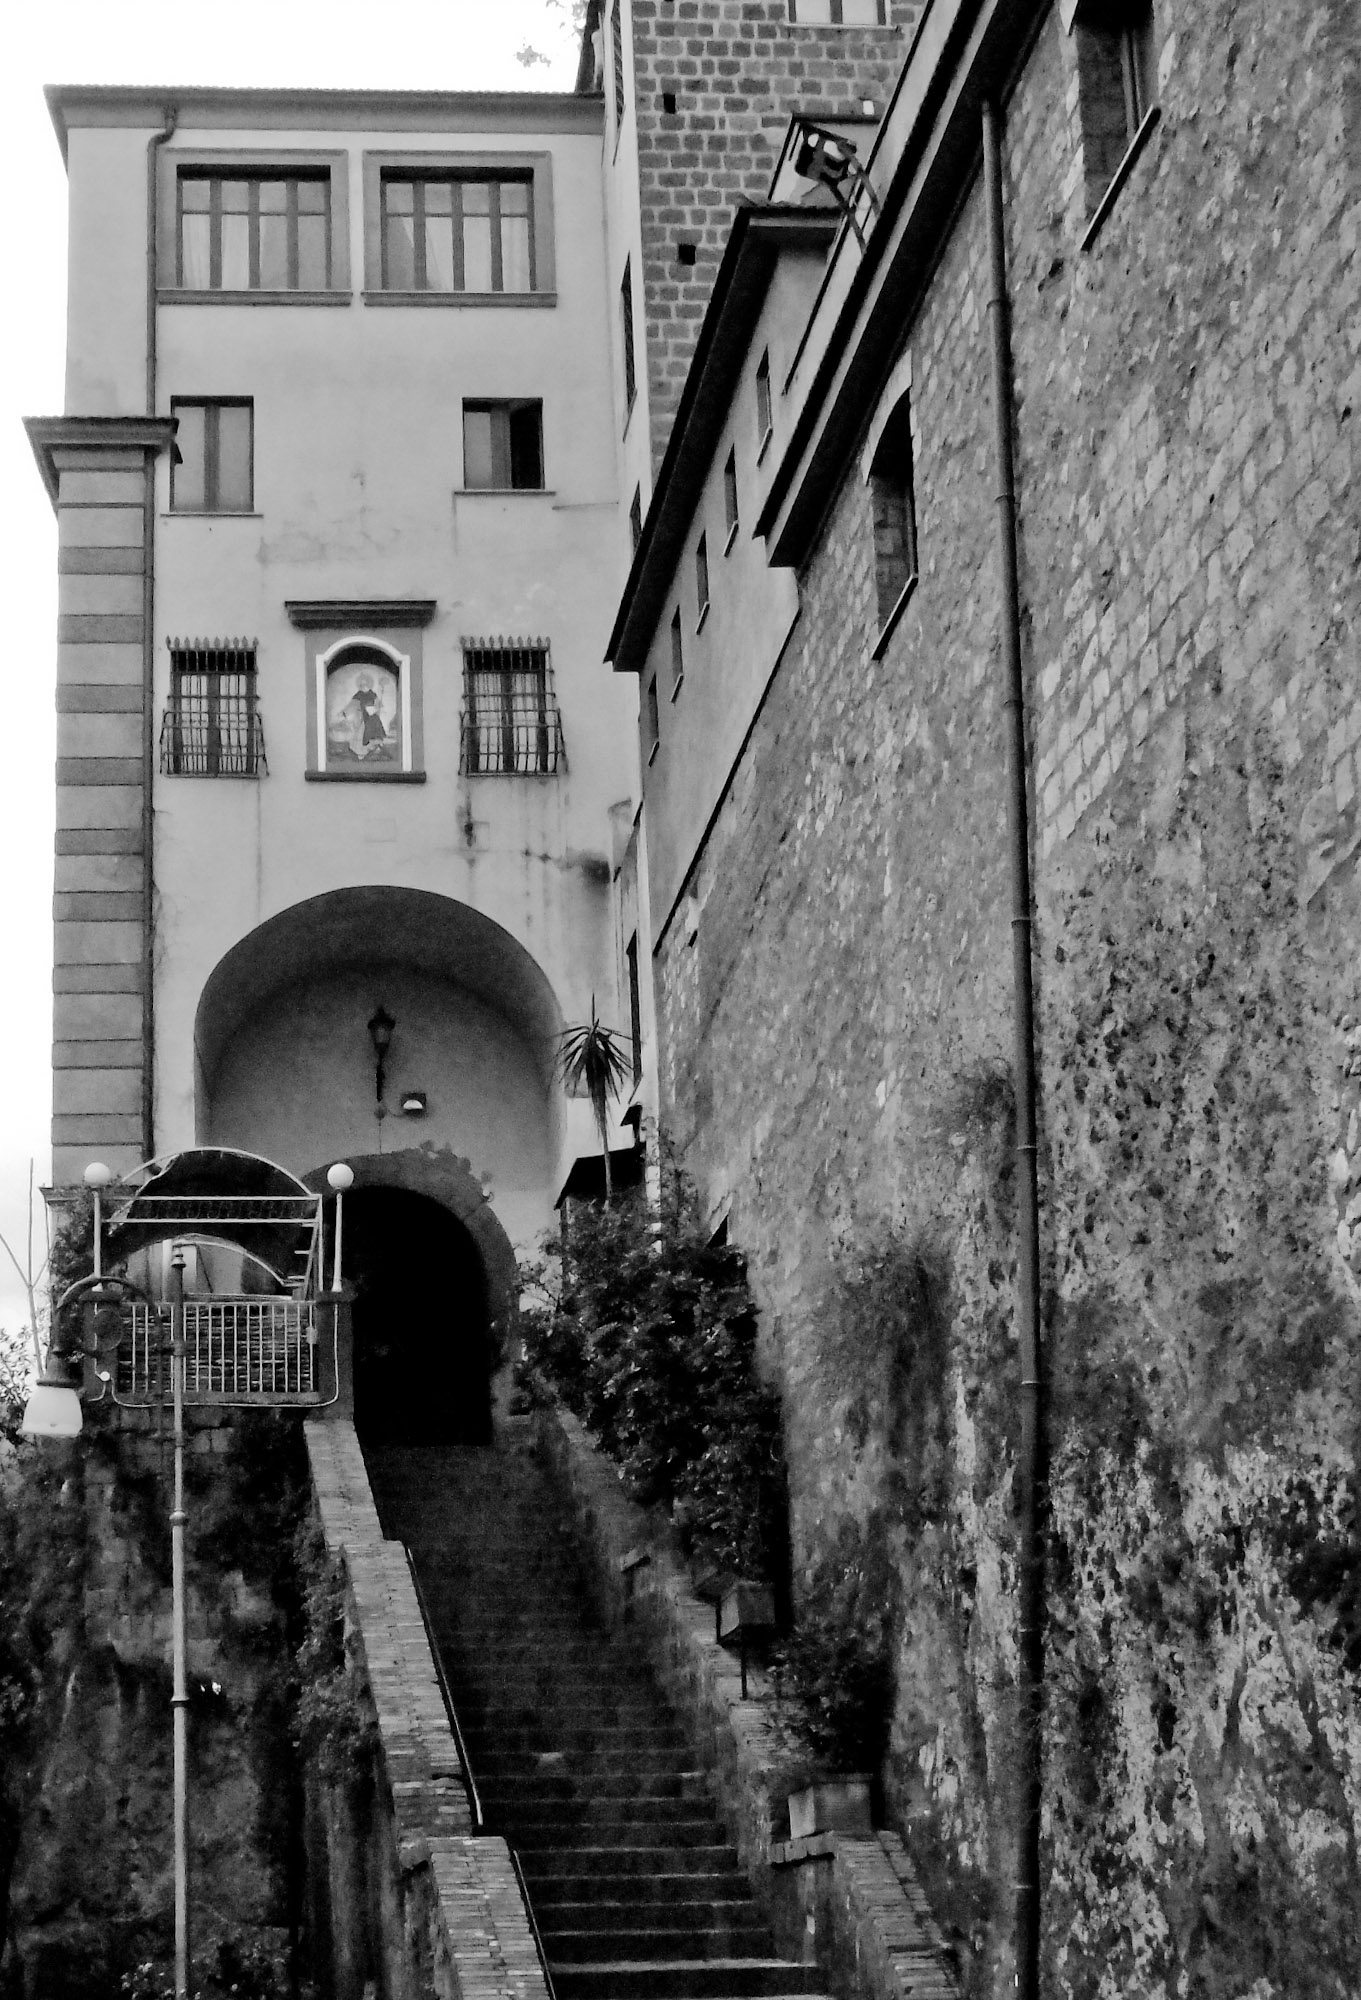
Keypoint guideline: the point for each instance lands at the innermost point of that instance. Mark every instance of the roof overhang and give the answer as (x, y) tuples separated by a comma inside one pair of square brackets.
[(965, 54), (759, 236), (203, 108)]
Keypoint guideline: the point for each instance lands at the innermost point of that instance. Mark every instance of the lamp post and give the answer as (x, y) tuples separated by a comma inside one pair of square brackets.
[(340, 1179), (179, 1696)]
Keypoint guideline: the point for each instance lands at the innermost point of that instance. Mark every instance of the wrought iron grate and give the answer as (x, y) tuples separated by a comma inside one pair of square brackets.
[(212, 727), (510, 712)]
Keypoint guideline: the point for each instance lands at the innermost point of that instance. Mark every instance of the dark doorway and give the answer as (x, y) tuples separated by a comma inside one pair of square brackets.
[(422, 1356)]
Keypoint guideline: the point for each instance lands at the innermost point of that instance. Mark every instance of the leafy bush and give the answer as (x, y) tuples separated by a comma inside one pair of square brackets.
[(646, 1331), (834, 1671), (333, 1721)]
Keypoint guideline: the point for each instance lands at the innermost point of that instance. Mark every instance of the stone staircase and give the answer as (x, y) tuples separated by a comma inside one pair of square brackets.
[(577, 1759)]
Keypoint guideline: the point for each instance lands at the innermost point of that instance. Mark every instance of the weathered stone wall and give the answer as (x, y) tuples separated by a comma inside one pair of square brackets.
[(737, 71), (86, 1579), (836, 1038)]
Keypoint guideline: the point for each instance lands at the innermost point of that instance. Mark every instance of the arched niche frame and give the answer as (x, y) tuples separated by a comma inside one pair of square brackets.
[(363, 665)]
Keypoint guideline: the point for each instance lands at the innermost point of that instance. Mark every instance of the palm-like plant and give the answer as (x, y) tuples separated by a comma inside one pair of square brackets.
[(596, 1060)]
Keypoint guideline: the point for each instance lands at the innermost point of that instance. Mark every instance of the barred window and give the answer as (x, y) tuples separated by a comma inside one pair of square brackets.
[(510, 713), (212, 727)]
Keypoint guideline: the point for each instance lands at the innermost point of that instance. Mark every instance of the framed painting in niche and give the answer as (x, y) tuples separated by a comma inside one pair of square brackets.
[(363, 709)]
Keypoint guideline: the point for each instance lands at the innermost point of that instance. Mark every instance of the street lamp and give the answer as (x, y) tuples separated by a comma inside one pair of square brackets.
[(340, 1179), (381, 1025)]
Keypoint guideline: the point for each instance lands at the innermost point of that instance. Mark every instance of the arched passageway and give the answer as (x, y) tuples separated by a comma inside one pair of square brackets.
[(423, 1351)]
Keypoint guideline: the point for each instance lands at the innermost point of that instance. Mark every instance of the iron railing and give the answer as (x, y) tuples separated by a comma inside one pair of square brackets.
[(510, 712), (247, 1350)]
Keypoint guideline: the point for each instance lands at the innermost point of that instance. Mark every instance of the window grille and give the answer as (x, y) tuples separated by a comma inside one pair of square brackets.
[(212, 727), (510, 713)]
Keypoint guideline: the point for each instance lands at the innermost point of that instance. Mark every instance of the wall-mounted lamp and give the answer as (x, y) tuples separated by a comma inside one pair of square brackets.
[(381, 1025), (413, 1104), (826, 157)]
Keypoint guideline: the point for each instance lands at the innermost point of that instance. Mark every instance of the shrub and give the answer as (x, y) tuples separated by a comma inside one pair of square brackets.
[(646, 1331)]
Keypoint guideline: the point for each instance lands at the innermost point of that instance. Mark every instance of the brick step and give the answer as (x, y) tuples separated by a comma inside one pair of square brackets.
[(512, 1790), (614, 1834), (687, 1820), (620, 1866), (576, 1661), (715, 1906), (685, 1979), (589, 1738), (596, 1760), (523, 1710), (658, 1943)]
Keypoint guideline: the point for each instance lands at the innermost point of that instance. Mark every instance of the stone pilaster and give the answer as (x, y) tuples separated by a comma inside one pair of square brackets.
[(98, 473)]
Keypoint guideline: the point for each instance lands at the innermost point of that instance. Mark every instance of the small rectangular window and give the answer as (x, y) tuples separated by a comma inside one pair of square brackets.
[(839, 13), (893, 512), (1115, 86), (677, 654), (652, 719), (503, 445), (457, 233), (730, 517), (701, 580), (253, 232), (212, 464), (635, 520), (626, 312), (763, 425), (211, 728), (635, 1008), (510, 712)]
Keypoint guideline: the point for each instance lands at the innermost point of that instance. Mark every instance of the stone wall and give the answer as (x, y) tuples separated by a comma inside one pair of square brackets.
[(736, 71), (836, 1037)]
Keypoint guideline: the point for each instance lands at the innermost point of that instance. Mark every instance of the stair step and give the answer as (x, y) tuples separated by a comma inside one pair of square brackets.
[(684, 1979), (735, 1916), (609, 1826), (657, 1943), (596, 1865)]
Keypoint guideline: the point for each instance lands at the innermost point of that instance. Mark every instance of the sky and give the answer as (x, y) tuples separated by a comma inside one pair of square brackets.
[(402, 45)]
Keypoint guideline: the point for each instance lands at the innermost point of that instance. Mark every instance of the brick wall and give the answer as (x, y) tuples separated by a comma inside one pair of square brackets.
[(836, 1037), (738, 70)]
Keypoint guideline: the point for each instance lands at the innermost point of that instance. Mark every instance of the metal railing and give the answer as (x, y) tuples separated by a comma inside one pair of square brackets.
[(246, 1350)]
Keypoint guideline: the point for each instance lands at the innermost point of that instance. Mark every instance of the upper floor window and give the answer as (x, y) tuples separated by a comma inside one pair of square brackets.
[(839, 13), (211, 467), (635, 520), (510, 712), (763, 419), (1115, 89), (211, 728), (626, 316), (701, 580), (617, 50), (677, 654), (457, 232), (730, 514), (503, 445), (253, 232)]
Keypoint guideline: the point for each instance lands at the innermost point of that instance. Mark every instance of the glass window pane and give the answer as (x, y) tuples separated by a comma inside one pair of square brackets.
[(313, 275), (233, 456), (477, 448), (515, 197), (273, 197), (236, 197), (815, 11), (273, 252), (235, 250), (196, 252), (516, 270), (476, 250), (312, 197), (187, 475), (439, 252), (399, 254), (439, 197), (477, 198), (860, 13), (195, 194), (398, 197)]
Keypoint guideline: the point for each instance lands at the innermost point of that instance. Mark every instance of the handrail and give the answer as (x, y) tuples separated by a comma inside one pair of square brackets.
[(533, 1922), (470, 1783)]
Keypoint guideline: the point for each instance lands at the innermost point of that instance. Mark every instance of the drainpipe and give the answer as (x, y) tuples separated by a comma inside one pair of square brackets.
[(1031, 1465), (154, 144)]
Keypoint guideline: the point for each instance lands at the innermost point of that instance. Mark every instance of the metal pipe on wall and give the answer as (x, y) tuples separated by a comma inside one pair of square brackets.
[(154, 144), (179, 1694), (1031, 1464)]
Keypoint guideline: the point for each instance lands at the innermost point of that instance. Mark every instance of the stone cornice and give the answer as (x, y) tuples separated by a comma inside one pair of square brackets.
[(321, 614), (48, 435)]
